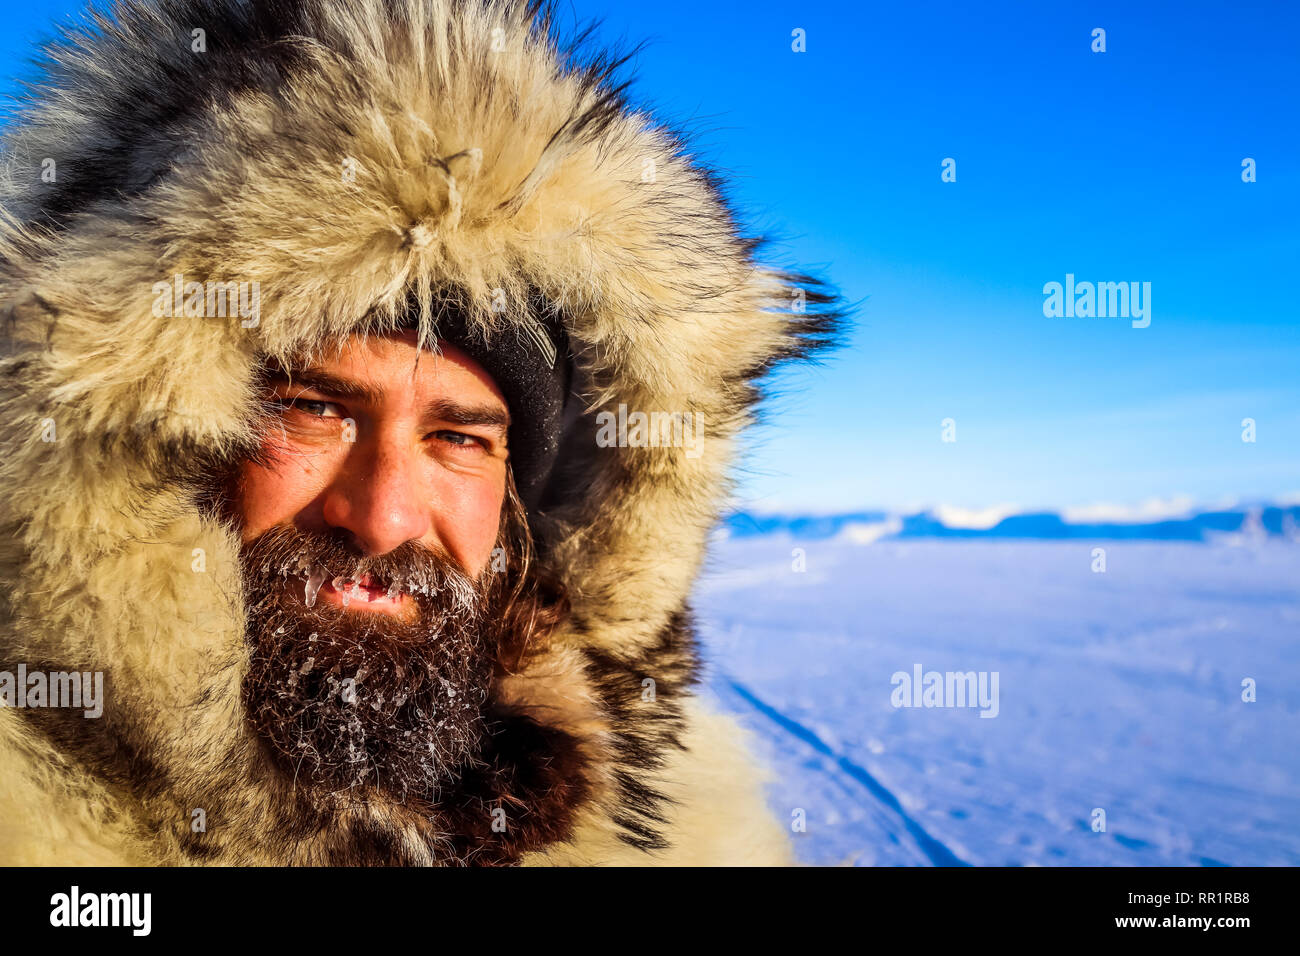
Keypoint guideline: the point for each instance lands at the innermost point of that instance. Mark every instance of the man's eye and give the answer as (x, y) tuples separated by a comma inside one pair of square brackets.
[(458, 438), (312, 406)]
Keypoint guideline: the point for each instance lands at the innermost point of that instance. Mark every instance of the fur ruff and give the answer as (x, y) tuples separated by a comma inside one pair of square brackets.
[(491, 162)]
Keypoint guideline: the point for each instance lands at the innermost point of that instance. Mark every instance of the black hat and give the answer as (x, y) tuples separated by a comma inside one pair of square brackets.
[(528, 358)]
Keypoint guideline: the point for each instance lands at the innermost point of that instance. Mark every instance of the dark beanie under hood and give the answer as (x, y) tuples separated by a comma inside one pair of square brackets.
[(531, 365)]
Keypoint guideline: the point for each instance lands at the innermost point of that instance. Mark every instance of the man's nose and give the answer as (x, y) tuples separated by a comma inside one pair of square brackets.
[(377, 497)]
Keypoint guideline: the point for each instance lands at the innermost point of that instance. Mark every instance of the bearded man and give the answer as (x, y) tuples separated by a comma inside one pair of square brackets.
[(364, 586)]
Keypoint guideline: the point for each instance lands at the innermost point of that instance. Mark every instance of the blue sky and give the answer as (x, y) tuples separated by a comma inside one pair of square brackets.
[(1115, 166)]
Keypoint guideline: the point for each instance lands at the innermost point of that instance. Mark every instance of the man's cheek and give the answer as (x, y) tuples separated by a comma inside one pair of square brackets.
[(470, 527), (253, 504), (274, 492), (284, 453)]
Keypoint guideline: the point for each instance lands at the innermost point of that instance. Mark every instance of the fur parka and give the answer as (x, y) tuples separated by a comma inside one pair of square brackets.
[(341, 154)]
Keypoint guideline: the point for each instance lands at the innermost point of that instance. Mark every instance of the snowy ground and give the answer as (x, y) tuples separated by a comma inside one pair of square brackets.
[(1119, 690)]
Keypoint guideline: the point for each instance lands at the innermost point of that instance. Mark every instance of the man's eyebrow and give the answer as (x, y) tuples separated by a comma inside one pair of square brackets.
[(327, 384), (458, 413)]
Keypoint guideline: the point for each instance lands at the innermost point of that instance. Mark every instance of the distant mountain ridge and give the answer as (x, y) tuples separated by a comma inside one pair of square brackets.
[(1250, 522)]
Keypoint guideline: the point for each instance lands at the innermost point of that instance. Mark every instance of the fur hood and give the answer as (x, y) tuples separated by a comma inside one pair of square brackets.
[(341, 154)]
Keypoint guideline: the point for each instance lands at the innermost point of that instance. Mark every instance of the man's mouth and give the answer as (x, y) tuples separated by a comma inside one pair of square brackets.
[(361, 594)]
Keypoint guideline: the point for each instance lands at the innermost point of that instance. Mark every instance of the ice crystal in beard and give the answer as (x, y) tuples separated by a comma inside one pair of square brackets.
[(354, 698)]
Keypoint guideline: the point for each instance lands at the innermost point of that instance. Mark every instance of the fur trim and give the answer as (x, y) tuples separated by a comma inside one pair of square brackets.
[(340, 153)]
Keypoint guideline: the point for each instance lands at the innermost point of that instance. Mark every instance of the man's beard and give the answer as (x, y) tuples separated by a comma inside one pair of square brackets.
[(360, 698)]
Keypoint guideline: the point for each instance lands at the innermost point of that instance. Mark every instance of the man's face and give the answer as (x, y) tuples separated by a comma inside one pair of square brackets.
[(383, 444), (367, 526)]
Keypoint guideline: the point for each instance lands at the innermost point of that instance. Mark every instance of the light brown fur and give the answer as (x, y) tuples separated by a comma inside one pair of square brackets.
[(664, 303)]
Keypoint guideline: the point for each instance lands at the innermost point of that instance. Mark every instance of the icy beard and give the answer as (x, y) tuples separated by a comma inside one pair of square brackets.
[(351, 699)]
